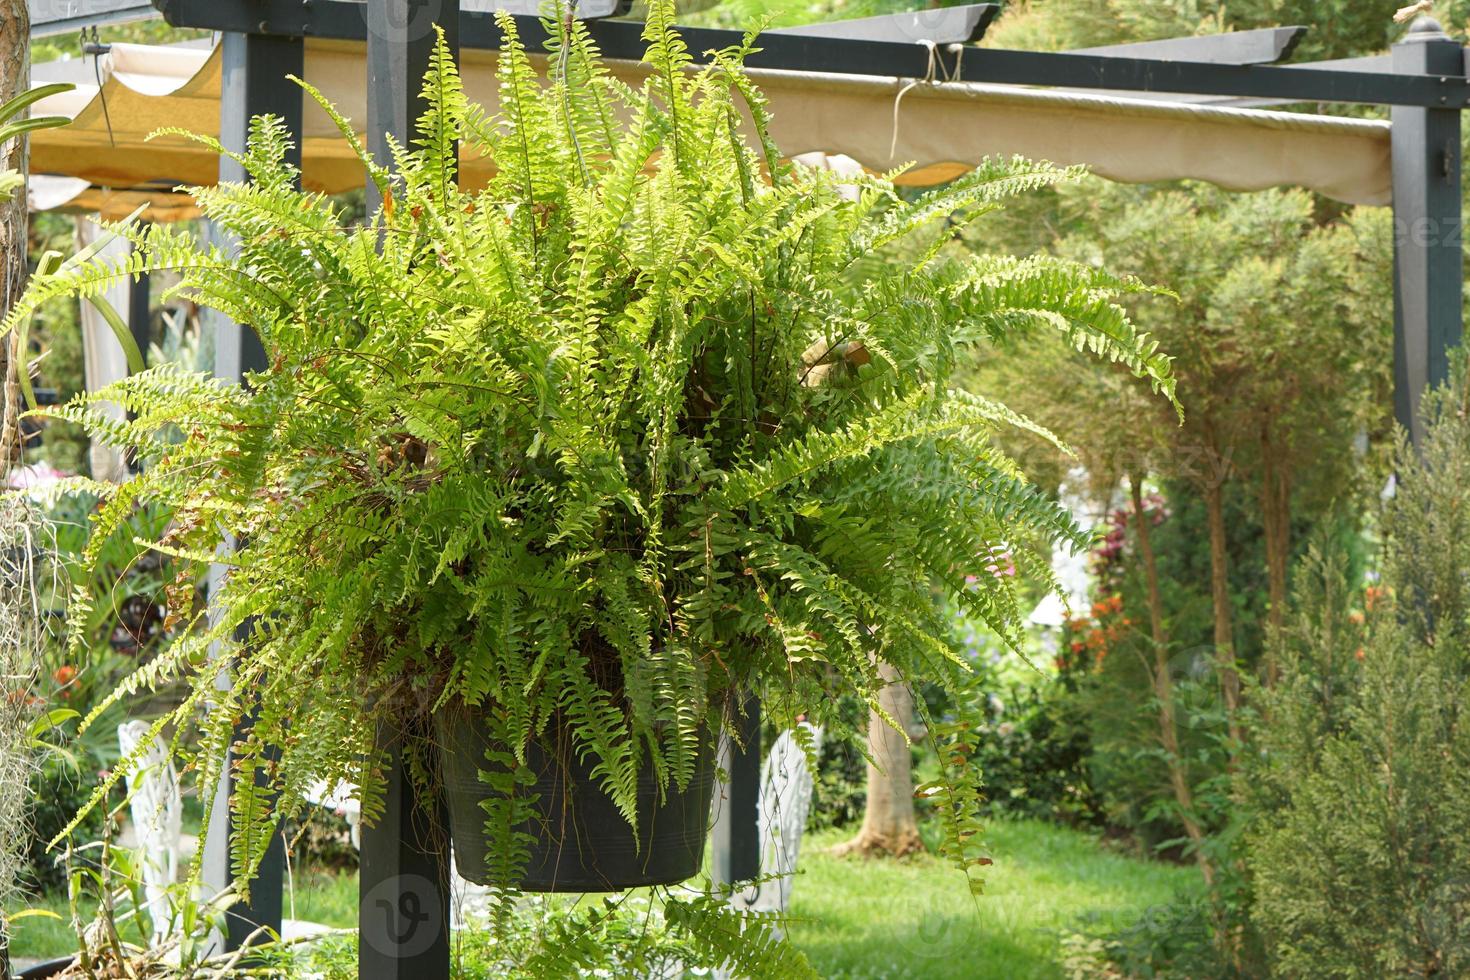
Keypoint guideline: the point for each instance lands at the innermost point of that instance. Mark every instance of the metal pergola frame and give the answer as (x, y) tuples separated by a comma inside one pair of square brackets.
[(404, 878)]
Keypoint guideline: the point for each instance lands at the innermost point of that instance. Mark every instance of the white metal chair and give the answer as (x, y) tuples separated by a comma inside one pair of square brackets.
[(785, 802), (157, 809)]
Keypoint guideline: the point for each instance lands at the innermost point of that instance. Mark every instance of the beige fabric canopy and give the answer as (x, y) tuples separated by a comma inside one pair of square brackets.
[(75, 195), (943, 128)]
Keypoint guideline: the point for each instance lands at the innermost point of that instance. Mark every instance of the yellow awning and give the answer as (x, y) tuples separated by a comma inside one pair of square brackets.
[(944, 128)]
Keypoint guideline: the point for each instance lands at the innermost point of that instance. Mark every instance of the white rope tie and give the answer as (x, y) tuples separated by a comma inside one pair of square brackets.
[(958, 50), (935, 66)]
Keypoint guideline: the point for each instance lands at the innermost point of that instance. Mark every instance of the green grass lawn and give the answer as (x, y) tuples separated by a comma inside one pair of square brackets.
[(49, 935), (915, 918), (865, 920)]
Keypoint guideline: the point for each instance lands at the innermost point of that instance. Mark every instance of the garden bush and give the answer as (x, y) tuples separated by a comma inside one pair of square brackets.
[(59, 786), (840, 785), (1035, 749), (631, 935), (1361, 839)]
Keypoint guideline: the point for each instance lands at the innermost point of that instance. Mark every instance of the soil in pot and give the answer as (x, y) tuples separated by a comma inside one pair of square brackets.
[(583, 843)]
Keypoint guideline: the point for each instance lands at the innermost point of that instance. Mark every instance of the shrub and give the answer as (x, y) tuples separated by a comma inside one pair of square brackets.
[(1034, 752), (58, 787), (626, 936), (1362, 838), (840, 786)]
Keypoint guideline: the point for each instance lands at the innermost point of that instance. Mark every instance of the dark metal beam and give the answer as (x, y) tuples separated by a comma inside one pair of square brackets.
[(1428, 258), (942, 25), (1376, 64), (258, 921), (745, 795), (621, 39), (1448, 90), (1262, 47), (140, 311), (253, 82), (140, 289), (400, 37), (586, 9)]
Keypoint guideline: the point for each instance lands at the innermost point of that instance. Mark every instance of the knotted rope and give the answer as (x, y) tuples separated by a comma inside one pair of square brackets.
[(935, 66)]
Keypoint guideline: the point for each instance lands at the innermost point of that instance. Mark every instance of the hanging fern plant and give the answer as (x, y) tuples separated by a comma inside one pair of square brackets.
[(652, 420)]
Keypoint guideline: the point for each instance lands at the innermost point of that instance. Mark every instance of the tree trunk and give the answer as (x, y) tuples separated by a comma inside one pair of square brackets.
[(1220, 599), (1164, 686), (889, 826), (15, 76), (1276, 526)]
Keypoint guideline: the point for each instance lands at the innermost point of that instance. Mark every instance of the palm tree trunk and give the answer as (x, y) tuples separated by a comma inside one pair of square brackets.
[(15, 72), (889, 823)]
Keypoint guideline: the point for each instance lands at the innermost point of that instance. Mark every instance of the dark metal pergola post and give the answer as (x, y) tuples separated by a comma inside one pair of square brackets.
[(735, 849), (1428, 240), (400, 38), (404, 877), (403, 881), (253, 83), (140, 289)]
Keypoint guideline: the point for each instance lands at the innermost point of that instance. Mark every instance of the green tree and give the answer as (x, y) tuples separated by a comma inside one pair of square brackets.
[(1361, 837), (1280, 336), (14, 754), (1338, 28), (1278, 345)]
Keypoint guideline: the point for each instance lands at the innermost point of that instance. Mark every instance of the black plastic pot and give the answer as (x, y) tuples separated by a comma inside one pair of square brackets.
[(51, 968), (583, 843)]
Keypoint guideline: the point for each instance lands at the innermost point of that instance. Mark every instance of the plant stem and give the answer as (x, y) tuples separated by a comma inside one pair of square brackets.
[(1220, 598), (1164, 685)]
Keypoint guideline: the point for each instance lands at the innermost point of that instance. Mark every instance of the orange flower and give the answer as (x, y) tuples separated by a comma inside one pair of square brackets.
[(64, 674)]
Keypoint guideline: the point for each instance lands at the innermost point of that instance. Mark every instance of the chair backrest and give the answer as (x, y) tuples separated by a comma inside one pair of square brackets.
[(157, 808), (785, 802)]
